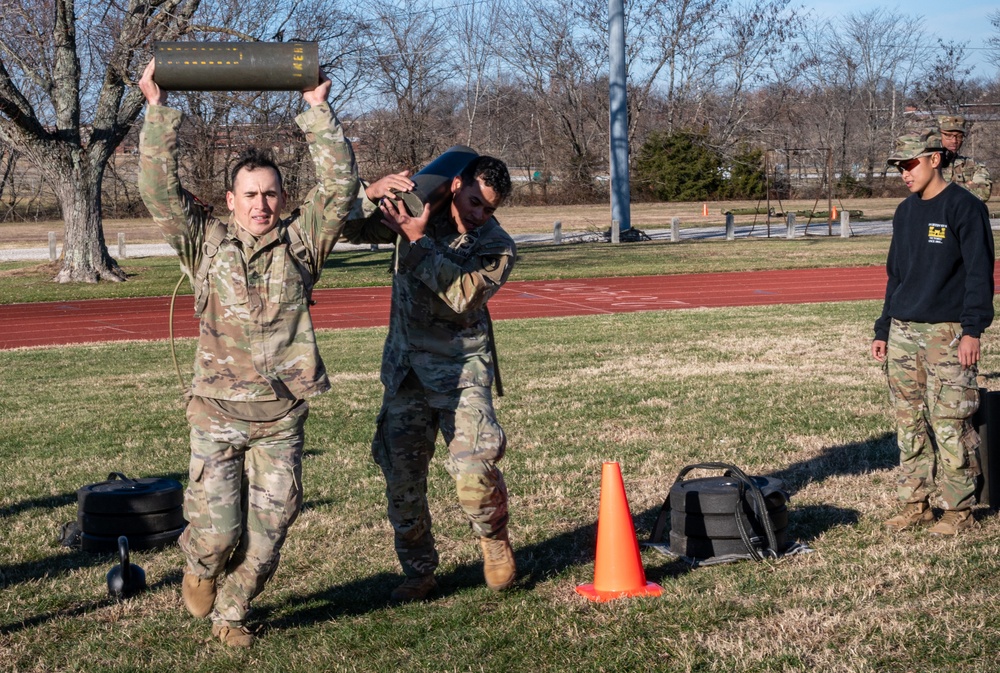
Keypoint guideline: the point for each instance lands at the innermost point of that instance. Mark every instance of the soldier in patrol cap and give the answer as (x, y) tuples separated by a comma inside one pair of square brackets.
[(257, 359), (969, 173), (438, 363), (938, 302)]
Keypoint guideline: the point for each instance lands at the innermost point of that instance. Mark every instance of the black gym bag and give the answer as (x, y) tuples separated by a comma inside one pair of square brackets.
[(724, 518)]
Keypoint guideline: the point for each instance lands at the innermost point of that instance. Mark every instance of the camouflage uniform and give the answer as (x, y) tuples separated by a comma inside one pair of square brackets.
[(939, 288), (256, 360), (929, 387), (971, 174), (964, 171), (437, 370)]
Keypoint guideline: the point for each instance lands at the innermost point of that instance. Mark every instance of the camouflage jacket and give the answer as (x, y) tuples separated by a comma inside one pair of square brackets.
[(970, 174), (438, 324), (256, 341)]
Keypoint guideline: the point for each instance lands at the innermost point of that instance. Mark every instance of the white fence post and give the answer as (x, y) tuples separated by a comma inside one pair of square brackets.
[(845, 224), (791, 226), (615, 234), (52, 246), (121, 245), (557, 232), (730, 227), (675, 229)]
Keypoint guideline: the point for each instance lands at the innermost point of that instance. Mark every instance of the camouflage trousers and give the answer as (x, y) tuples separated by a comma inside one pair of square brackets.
[(244, 491), (934, 399), (406, 430)]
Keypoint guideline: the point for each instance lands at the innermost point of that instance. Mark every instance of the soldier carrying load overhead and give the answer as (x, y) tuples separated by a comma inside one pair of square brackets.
[(257, 359)]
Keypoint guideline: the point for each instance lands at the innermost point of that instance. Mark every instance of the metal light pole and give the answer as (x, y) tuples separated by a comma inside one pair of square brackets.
[(620, 202)]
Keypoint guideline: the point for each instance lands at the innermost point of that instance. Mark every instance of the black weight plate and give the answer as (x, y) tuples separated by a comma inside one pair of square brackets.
[(717, 495), (135, 496), (102, 543), (131, 524), (704, 548), (722, 525)]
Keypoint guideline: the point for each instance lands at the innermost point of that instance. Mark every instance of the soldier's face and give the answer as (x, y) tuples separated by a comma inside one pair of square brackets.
[(257, 200), (952, 140), (919, 172), (473, 204)]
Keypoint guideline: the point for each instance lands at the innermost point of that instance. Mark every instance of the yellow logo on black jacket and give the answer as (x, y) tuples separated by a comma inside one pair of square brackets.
[(936, 233)]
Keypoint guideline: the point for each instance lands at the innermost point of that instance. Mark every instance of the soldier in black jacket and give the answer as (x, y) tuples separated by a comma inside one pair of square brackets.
[(938, 302)]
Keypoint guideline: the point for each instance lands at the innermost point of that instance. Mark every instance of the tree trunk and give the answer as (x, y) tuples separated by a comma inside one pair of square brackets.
[(85, 257)]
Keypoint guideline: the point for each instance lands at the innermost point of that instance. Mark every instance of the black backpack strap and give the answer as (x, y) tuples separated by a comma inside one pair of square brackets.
[(493, 352), (756, 547), (661, 522)]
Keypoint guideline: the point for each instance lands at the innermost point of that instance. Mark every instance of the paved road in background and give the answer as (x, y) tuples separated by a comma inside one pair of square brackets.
[(759, 230)]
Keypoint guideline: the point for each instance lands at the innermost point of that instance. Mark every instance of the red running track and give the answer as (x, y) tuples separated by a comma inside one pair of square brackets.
[(53, 323)]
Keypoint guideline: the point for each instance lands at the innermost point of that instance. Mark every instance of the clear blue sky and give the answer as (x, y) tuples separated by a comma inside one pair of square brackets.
[(960, 21)]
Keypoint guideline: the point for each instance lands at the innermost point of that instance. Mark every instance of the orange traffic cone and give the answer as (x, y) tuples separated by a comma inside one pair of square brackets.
[(704, 209), (833, 213), (618, 568)]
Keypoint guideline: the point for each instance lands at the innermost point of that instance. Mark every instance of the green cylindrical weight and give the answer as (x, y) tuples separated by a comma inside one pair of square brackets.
[(434, 180), (236, 66)]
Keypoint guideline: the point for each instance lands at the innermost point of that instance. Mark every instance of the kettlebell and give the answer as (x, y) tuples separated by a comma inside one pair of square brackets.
[(125, 580)]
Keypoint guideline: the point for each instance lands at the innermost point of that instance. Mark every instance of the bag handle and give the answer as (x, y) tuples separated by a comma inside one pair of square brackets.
[(119, 475)]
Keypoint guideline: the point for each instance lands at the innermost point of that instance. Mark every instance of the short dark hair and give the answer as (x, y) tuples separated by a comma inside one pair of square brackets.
[(251, 159), (492, 171)]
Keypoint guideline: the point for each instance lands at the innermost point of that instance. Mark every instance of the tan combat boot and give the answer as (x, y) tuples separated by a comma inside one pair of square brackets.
[(498, 561), (914, 514), (233, 636), (414, 589), (199, 594), (952, 521)]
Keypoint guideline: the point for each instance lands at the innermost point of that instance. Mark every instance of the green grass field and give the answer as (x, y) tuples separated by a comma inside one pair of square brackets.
[(787, 391)]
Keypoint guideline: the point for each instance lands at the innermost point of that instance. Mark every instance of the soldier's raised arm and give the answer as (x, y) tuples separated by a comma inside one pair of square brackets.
[(325, 209), (180, 217)]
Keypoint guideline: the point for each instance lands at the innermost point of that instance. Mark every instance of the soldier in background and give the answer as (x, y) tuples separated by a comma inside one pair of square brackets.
[(965, 171), (257, 359), (438, 364), (938, 303)]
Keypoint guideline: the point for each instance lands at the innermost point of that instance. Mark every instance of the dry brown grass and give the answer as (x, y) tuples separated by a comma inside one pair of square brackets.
[(36, 234)]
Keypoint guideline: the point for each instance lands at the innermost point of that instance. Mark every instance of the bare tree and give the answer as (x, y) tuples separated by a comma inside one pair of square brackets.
[(945, 84), (66, 102), (679, 53), (548, 48), (410, 74), (478, 24), (666, 51), (755, 49), (882, 69), (8, 161), (994, 41)]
